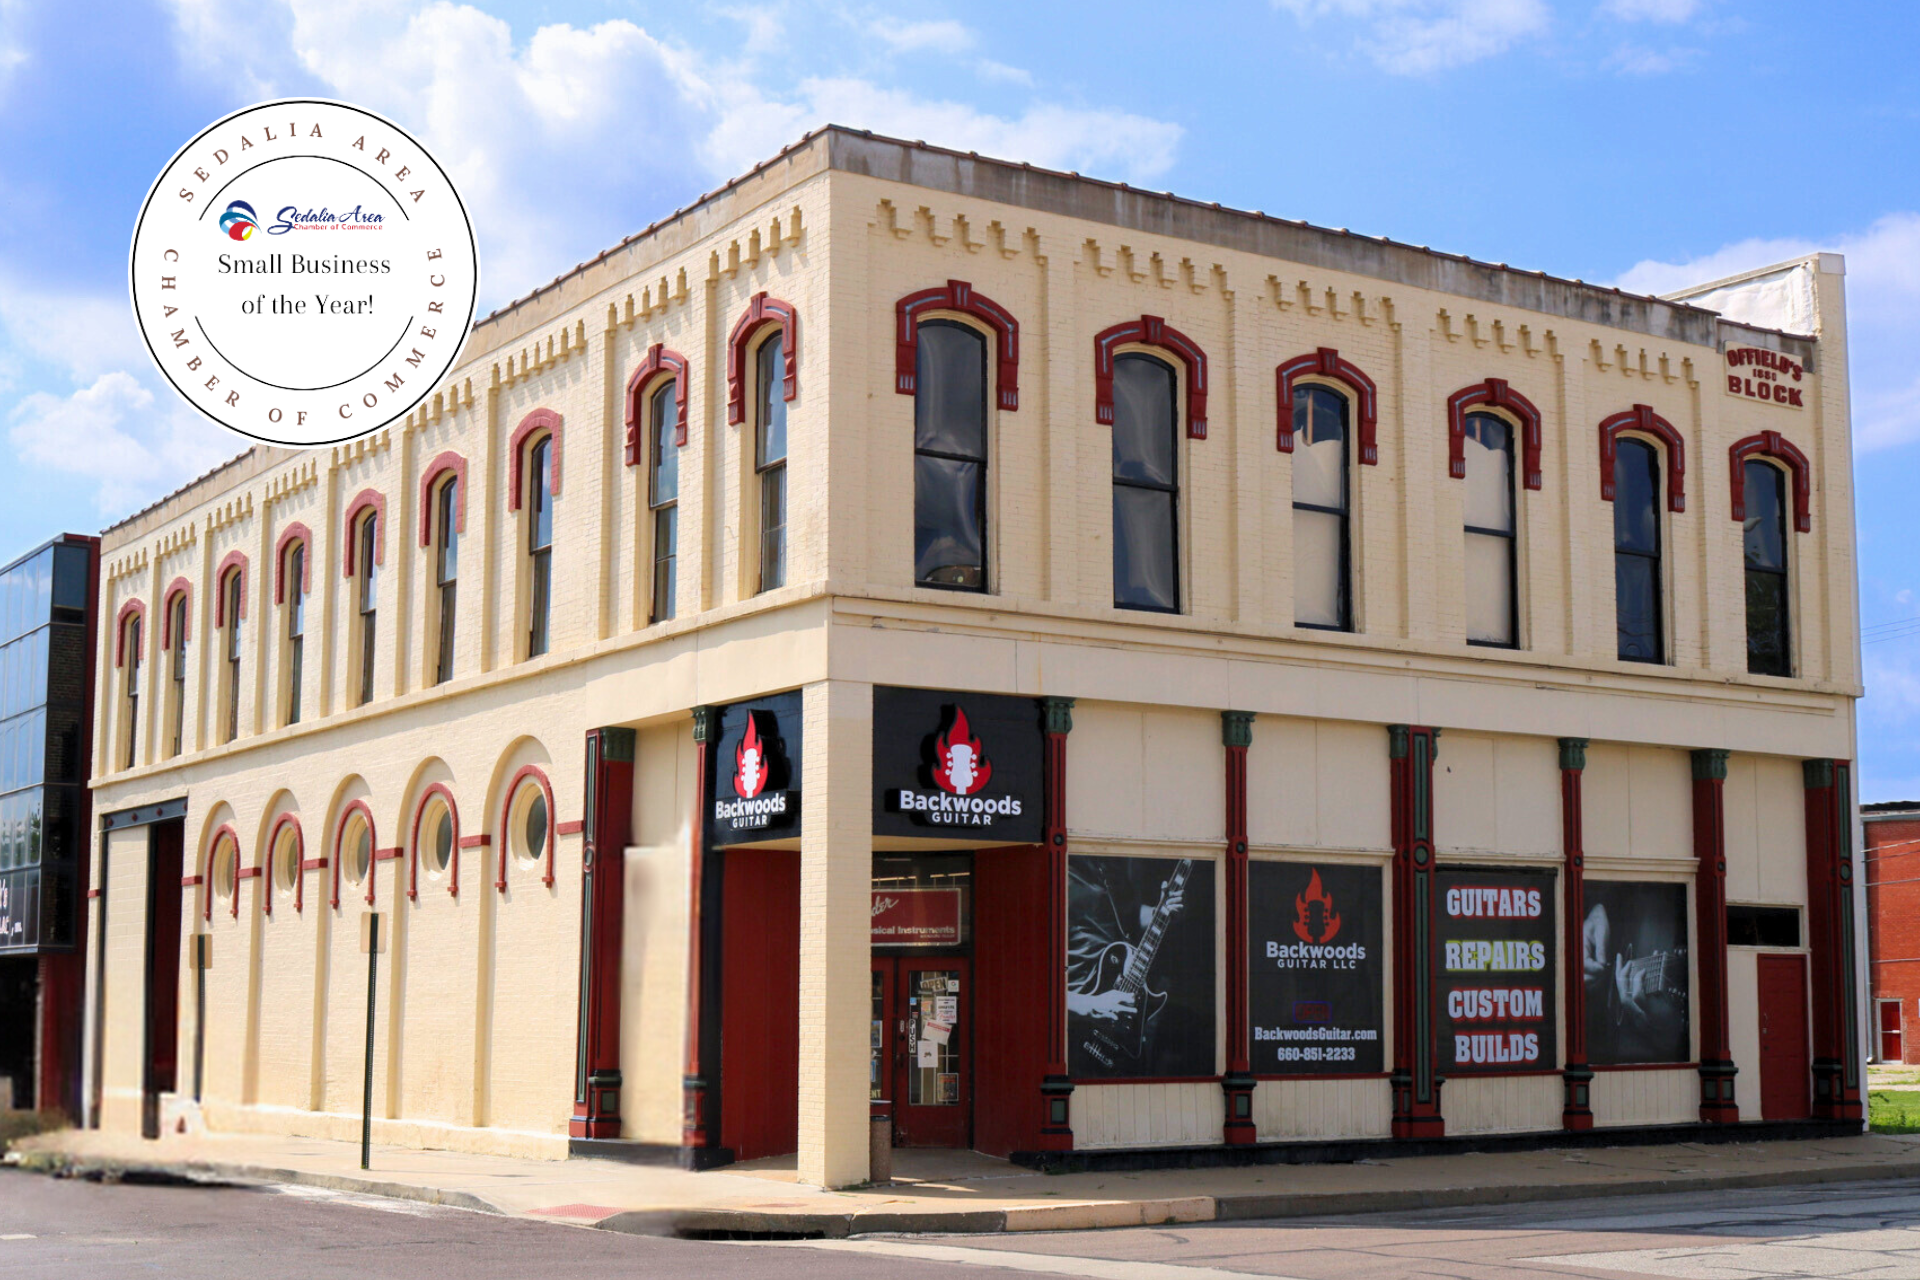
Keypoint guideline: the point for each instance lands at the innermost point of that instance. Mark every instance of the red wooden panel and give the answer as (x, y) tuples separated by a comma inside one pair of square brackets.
[(1010, 975), (760, 1003), (1786, 1067)]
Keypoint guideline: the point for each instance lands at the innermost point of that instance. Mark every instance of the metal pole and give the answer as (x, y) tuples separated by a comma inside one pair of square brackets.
[(200, 1013), (366, 1097)]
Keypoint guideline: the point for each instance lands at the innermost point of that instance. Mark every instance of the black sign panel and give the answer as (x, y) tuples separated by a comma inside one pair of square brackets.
[(957, 765), (1634, 959), (20, 910), (1316, 968), (1493, 971), (753, 792), (1140, 967)]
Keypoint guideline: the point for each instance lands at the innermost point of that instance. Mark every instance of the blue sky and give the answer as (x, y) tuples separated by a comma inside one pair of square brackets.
[(1647, 142)]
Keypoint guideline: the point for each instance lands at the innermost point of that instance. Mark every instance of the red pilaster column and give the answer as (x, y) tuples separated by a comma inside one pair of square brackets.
[(1236, 732), (700, 1094), (1576, 1111), (1830, 938), (609, 823), (1056, 1088), (1416, 1085), (1710, 935)]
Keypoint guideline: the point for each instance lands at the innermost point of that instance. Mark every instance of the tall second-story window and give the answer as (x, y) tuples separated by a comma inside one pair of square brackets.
[(177, 670), (1322, 573), (1492, 609), (230, 591), (1769, 651), (446, 574), (1636, 551), (663, 496), (130, 641), (950, 456), (367, 600), (770, 462), (539, 546), (296, 589), (1146, 485)]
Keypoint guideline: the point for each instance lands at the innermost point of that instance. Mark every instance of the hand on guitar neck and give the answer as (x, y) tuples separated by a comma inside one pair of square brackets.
[(1116, 1002)]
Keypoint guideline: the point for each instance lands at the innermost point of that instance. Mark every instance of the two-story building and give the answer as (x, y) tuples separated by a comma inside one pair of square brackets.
[(1081, 670)]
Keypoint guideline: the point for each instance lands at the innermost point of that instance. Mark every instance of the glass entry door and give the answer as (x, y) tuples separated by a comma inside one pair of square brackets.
[(919, 1059)]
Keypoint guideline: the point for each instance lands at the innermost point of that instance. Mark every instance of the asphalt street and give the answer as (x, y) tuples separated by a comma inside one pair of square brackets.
[(51, 1228)]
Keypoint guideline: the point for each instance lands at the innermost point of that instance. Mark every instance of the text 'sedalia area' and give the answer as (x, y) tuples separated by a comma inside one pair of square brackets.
[(304, 272)]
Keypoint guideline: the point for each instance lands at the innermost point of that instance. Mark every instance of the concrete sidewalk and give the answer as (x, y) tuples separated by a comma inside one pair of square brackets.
[(947, 1191)]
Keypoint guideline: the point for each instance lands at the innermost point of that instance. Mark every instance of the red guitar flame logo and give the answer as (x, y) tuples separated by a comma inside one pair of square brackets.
[(750, 761), (960, 763), (1303, 905)]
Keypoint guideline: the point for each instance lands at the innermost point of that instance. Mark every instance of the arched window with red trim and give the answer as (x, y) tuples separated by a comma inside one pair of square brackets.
[(766, 339), (1631, 448), (173, 639), (292, 579), (535, 485), (443, 518), (366, 552), (230, 607), (128, 650), (656, 432)]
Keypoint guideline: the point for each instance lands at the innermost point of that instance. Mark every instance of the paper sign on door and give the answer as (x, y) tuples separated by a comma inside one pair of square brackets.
[(929, 1054)]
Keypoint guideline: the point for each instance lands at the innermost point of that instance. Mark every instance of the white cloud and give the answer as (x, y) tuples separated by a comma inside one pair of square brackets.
[(82, 335), (111, 432), (1112, 142), (1633, 60), (991, 70), (576, 137), (1414, 37), (1651, 10), (944, 36), (1883, 311)]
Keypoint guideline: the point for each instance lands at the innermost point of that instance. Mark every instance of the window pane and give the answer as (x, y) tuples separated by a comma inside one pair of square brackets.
[(449, 604), (1489, 588), (948, 543), (542, 604), (1767, 650), (666, 455), (666, 548), (295, 590), (770, 436), (1636, 488), (1318, 598), (535, 830), (540, 494), (1636, 585), (1489, 473), (449, 567), (1143, 420), (1144, 576), (773, 529), (369, 567), (70, 577), (1320, 448), (1766, 529), (950, 390)]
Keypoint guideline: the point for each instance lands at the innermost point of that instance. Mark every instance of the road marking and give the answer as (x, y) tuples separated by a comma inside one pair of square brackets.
[(19, 1235), (1045, 1263)]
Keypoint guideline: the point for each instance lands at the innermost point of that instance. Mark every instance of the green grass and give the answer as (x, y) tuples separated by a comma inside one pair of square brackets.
[(1895, 1110), (15, 1125)]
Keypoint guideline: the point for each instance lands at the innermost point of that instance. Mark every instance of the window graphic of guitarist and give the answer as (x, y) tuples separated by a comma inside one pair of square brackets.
[(1638, 1003), (1113, 938)]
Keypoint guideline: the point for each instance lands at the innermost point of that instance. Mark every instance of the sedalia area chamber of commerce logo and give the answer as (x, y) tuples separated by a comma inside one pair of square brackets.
[(961, 770)]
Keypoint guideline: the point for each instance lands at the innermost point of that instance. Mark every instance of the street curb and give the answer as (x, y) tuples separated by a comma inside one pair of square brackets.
[(1101, 1215), (58, 1164)]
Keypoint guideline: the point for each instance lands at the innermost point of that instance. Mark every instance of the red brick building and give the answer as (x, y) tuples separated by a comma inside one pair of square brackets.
[(1893, 927)]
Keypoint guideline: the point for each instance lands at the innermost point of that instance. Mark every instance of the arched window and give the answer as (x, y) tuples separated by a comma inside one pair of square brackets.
[(174, 640), (663, 494), (223, 871), (284, 860), (129, 652), (1637, 579), (950, 456), (437, 836), (1769, 649), (1492, 601), (1322, 449), (232, 588), (528, 838), (292, 576), (770, 460), (353, 850), (539, 502), (1146, 484), (446, 573), (367, 600)]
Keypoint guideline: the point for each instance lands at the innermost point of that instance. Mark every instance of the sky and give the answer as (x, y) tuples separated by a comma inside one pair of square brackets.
[(1647, 143)]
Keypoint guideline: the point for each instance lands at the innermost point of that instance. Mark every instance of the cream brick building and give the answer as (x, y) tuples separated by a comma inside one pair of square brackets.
[(1402, 447)]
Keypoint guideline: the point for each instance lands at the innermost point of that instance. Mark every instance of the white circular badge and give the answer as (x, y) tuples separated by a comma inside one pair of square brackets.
[(304, 272)]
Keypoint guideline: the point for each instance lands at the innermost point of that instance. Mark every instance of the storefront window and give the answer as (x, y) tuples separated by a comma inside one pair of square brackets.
[(922, 899)]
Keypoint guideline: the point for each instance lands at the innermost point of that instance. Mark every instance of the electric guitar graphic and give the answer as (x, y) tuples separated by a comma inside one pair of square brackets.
[(1664, 973), (1124, 967)]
